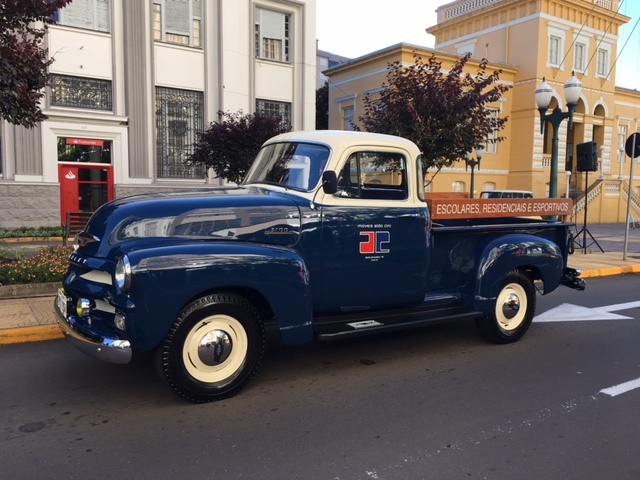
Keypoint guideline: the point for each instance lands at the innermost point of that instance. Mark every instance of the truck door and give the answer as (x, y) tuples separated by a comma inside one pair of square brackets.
[(374, 238)]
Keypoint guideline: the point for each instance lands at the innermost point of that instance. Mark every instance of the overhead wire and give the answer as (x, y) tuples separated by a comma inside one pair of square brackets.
[(603, 35), (577, 35), (625, 43)]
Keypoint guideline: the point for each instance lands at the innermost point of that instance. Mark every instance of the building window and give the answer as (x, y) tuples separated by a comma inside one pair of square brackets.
[(622, 137), (491, 143), (579, 56), (603, 62), (271, 35), (486, 186), (457, 187), (275, 109), (555, 48), (84, 150), (179, 119), (348, 118), (178, 22), (89, 14), (78, 92)]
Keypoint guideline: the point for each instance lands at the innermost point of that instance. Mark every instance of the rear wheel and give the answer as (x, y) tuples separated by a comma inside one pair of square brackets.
[(213, 349), (513, 311)]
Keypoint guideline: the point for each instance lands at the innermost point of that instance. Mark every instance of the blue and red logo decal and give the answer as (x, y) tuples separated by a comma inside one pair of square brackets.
[(375, 242)]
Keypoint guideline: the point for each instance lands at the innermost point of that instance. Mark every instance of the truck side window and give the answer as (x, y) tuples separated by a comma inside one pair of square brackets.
[(373, 176)]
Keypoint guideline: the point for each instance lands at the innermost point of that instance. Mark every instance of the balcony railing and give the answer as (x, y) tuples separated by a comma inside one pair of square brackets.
[(608, 4), (465, 7)]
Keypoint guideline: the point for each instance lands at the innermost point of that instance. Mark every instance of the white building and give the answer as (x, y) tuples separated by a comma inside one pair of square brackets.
[(134, 81)]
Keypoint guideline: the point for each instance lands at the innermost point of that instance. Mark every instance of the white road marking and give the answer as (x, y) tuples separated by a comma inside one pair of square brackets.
[(622, 388), (576, 313)]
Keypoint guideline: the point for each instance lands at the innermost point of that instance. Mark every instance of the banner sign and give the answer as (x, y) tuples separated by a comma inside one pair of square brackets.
[(457, 208), (85, 142)]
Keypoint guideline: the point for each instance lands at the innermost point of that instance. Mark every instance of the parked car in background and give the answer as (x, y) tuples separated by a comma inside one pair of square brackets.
[(506, 194)]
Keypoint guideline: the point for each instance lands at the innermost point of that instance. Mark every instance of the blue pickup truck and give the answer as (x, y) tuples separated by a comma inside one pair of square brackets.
[(329, 236)]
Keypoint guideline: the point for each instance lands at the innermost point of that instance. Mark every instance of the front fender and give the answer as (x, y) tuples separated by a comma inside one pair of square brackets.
[(167, 278), (512, 252)]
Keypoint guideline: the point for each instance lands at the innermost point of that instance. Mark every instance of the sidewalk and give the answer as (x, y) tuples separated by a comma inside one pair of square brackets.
[(31, 318)]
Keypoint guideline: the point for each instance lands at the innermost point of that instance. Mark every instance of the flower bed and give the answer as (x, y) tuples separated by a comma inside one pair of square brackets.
[(48, 264)]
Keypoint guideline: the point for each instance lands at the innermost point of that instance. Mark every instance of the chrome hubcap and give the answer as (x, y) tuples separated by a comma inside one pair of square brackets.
[(510, 306), (215, 348)]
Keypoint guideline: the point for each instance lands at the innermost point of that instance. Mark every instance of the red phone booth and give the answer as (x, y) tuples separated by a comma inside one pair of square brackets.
[(84, 186)]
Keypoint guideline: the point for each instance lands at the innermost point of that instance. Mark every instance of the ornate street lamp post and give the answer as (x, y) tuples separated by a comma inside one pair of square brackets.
[(470, 162), (572, 91)]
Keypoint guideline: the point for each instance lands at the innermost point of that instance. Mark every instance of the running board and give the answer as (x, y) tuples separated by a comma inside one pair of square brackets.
[(368, 323)]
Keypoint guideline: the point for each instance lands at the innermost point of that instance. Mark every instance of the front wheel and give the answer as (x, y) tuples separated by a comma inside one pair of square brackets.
[(213, 348), (513, 311)]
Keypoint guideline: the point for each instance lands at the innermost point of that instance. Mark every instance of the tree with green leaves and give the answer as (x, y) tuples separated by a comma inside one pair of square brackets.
[(445, 114), (231, 143), (24, 60)]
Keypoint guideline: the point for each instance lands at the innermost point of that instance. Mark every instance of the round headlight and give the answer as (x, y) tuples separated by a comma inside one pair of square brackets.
[(122, 275)]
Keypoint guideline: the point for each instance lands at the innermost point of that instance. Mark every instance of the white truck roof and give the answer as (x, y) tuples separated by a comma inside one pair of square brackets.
[(339, 140)]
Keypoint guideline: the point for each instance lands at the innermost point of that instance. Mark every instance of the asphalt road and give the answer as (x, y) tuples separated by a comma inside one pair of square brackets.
[(436, 403)]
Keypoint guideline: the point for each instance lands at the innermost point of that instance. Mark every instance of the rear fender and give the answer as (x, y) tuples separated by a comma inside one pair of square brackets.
[(522, 252), (167, 279)]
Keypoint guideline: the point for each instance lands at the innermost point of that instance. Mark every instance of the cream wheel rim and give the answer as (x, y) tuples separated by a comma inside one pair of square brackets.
[(511, 307), (215, 348)]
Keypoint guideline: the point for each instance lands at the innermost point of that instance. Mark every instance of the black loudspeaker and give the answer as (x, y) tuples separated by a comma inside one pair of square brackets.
[(587, 157)]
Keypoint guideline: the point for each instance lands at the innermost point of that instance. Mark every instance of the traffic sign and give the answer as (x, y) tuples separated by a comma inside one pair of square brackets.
[(632, 145)]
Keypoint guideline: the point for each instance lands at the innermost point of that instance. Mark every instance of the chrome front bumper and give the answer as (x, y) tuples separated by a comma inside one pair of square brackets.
[(112, 350)]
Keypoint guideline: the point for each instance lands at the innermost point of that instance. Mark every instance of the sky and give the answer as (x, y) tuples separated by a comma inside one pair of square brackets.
[(353, 28)]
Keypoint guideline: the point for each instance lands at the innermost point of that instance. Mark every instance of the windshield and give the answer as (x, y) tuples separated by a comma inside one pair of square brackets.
[(293, 165)]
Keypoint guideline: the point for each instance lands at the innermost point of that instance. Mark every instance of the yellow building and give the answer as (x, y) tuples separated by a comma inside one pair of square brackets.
[(529, 40)]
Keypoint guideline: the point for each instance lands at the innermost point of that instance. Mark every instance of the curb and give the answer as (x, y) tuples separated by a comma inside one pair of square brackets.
[(27, 290), (30, 334), (609, 271), (30, 239)]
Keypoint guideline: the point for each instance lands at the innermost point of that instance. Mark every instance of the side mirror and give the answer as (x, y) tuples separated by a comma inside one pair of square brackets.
[(329, 182)]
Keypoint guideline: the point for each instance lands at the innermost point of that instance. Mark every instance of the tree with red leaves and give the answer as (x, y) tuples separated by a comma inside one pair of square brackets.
[(445, 114), (230, 144), (24, 60)]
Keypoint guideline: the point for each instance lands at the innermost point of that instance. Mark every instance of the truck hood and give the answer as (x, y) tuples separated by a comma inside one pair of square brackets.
[(248, 214)]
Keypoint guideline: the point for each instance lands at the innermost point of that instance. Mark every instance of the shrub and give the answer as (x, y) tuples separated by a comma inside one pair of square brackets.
[(31, 232), (49, 264)]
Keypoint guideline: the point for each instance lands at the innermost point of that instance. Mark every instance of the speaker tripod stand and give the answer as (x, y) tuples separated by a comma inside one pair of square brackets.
[(585, 231)]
